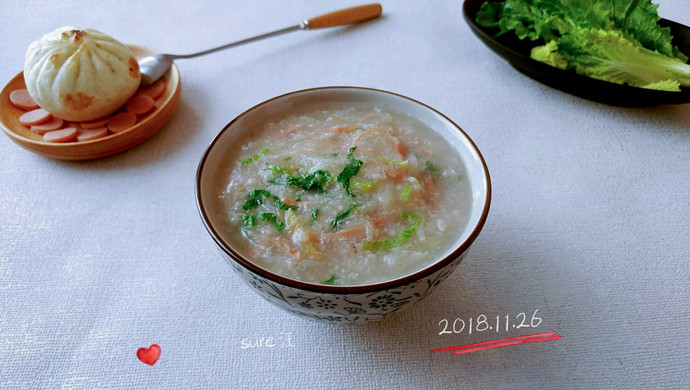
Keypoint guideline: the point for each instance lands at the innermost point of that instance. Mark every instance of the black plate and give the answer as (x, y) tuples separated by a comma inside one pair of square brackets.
[(517, 53)]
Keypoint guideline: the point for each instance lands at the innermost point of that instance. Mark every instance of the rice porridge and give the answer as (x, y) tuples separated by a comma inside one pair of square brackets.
[(343, 194)]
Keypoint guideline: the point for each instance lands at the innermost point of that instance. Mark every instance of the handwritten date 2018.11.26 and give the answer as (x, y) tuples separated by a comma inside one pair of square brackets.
[(483, 323)]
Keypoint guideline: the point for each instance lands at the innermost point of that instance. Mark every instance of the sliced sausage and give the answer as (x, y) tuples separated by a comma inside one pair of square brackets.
[(140, 104), (154, 90), (35, 117), (62, 135), (53, 124), (122, 121), (89, 134), (21, 98), (97, 124)]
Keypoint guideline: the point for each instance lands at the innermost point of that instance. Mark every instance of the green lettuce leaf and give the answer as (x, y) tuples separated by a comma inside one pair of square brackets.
[(639, 20), (549, 54), (608, 55), (666, 85), (619, 41)]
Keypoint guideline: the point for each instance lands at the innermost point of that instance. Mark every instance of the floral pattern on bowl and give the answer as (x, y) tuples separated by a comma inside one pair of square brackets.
[(346, 308)]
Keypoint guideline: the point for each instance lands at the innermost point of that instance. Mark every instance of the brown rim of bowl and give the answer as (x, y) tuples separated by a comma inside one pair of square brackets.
[(322, 288)]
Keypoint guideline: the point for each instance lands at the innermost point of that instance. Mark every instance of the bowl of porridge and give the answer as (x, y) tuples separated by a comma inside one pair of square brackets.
[(343, 204)]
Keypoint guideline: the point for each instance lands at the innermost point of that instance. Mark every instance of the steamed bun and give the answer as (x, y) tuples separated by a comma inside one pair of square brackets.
[(80, 74)]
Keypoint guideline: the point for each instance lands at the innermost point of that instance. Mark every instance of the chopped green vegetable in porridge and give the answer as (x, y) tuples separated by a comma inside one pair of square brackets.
[(349, 171), (398, 240), (249, 220), (279, 169), (430, 169), (310, 181), (359, 185), (405, 193), (255, 157), (254, 200), (389, 161), (295, 219), (342, 215), (270, 217), (331, 281)]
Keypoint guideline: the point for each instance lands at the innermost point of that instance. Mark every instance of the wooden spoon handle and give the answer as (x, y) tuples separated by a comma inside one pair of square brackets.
[(346, 16)]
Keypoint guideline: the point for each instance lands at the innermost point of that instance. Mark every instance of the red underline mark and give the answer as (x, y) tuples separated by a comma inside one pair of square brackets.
[(530, 338)]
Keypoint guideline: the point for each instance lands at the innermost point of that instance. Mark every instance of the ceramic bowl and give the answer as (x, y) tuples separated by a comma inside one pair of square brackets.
[(335, 303)]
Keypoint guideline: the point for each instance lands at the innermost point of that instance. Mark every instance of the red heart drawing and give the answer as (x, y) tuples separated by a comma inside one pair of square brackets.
[(149, 355)]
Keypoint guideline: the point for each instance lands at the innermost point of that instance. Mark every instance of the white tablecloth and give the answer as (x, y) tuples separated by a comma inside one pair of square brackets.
[(589, 224)]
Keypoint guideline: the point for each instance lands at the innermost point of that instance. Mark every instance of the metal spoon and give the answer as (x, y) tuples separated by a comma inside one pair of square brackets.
[(155, 66)]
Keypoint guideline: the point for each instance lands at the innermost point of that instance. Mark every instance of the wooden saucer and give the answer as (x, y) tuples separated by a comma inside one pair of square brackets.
[(106, 146)]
